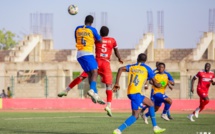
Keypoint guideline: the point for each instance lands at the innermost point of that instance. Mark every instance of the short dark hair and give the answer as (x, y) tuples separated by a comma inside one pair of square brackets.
[(157, 63), (207, 64), (142, 57), (161, 63), (89, 19), (104, 31)]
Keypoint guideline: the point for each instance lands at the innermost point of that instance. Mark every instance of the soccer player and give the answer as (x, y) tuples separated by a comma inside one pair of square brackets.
[(103, 54), (151, 95), (159, 96), (205, 79), (137, 74), (85, 36)]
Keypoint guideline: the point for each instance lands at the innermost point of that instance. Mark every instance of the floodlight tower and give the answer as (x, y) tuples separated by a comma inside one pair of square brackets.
[(42, 23), (150, 21), (104, 19), (211, 22), (160, 24)]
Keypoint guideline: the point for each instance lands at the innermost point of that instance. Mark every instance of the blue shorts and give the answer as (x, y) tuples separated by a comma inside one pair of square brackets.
[(136, 101), (159, 99), (88, 63)]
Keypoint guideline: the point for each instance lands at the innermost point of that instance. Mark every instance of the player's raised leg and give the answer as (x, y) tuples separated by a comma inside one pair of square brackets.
[(150, 104), (89, 65), (75, 82), (167, 105), (93, 92)]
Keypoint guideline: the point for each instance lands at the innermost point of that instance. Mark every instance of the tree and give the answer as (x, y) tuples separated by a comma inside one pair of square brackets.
[(7, 39)]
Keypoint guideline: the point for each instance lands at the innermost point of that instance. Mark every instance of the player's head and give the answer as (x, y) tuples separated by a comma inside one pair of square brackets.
[(142, 57), (161, 67), (89, 20), (207, 67), (104, 31), (156, 64)]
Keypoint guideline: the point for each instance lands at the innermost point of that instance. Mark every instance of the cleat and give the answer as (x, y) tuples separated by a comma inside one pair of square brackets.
[(61, 94), (144, 118), (190, 117), (164, 116), (99, 100), (197, 113), (158, 130), (170, 117), (117, 131), (108, 110), (92, 95)]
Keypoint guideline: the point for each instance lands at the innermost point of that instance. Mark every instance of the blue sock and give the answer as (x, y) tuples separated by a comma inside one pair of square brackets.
[(166, 107), (168, 113), (152, 115), (127, 123), (93, 86)]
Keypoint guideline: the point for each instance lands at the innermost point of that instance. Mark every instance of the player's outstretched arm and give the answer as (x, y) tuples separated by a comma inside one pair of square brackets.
[(192, 84), (171, 82), (116, 52), (213, 81), (170, 87), (116, 85)]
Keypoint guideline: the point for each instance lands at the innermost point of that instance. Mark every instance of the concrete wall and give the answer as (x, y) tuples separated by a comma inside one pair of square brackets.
[(55, 55), (171, 54), (3, 53)]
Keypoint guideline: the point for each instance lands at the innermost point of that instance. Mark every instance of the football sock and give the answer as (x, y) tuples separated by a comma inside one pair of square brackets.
[(109, 94), (109, 104), (166, 108), (67, 89), (75, 82), (202, 105), (168, 113), (127, 123), (93, 86), (152, 115)]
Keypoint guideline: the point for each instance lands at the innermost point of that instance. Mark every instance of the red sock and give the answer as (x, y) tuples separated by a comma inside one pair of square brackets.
[(202, 106), (109, 94), (201, 103), (75, 82)]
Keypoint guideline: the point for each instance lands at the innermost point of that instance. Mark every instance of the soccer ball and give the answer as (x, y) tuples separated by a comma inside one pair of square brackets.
[(73, 9)]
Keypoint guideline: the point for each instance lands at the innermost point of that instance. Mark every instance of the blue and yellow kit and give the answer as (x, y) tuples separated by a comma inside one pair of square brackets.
[(137, 75), (85, 38), (163, 79)]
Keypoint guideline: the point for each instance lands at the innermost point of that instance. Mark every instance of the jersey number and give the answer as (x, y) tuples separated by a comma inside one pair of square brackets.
[(104, 48), (135, 80), (83, 42)]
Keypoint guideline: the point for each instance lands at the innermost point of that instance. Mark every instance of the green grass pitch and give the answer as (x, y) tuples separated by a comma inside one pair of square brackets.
[(96, 123)]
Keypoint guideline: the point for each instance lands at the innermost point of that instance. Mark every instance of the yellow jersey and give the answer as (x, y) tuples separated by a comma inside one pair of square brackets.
[(85, 38), (163, 79), (137, 75)]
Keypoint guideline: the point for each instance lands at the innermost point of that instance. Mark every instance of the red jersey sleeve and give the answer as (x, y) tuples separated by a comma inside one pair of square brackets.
[(197, 75), (114, 43)]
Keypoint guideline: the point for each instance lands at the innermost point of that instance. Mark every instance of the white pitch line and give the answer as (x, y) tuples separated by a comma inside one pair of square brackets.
[(30, 118)]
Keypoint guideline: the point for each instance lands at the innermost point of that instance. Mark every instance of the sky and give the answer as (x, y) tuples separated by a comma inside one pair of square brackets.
[(184, 20)]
